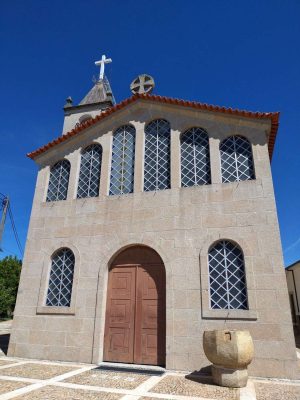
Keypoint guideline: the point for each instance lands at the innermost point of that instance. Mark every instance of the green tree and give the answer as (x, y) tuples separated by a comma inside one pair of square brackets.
[(10, 269)]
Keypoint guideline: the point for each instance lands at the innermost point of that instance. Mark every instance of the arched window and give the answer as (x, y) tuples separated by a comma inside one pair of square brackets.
[(61, 279), (90, 169), (157, 155), (122, 165), (236, 159), (227, 278), (84, 118), (195, 165), (59, 181)]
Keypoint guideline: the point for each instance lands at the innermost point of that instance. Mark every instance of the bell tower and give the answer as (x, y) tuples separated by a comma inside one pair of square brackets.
[(98, 99)]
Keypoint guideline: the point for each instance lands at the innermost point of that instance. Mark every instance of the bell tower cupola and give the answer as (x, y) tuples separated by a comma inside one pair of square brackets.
[(98, 99)]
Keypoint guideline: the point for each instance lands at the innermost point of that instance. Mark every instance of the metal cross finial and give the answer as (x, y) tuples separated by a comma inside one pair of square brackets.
[(102, 63)]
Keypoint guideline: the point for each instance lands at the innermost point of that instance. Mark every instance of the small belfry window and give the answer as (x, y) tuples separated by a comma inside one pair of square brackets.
[(236, 159), (61, 279), (122, 164), (59, 181), (195, 164), (227, 279), (84, 118), (90, 169), (157, 155)]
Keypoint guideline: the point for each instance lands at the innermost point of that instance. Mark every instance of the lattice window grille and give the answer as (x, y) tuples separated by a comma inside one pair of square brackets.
[(59, 181), (157, 156), (195, 162), (122, 167), (236, 159), (90, 170), (61, 279), (227, 277)]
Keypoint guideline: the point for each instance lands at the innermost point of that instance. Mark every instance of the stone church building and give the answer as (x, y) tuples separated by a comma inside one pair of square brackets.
[(153, 220)]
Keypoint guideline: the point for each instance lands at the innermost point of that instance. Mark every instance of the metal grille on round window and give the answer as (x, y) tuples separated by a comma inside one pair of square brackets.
[(90, 169), (59, 181), (122, 165), (236, 159), (227, 277), (157, 156), (61, 279), (195, 164)]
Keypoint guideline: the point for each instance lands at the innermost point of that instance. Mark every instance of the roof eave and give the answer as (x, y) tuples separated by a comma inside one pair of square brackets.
[(167, 100)]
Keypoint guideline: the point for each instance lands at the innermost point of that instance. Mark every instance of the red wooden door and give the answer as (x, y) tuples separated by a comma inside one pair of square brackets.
[(135, 327)]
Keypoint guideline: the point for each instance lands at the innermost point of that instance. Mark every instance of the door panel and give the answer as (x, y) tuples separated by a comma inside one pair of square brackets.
[(135, 326), (150, 328), (120, 310)]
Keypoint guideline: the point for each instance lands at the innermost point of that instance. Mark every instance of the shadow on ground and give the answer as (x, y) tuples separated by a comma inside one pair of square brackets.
[(4, 341), (203, 375)]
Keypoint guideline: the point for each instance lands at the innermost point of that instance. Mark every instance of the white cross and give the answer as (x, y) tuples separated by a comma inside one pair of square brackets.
[(102, 62)]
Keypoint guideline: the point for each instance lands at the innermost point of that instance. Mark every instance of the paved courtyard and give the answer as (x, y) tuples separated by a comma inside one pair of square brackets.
[(42, 380)]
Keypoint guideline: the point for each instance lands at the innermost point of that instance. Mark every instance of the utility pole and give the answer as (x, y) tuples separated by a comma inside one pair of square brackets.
[(4, 205)]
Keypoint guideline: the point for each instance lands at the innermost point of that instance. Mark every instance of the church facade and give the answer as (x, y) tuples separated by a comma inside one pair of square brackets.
[(154, 220)]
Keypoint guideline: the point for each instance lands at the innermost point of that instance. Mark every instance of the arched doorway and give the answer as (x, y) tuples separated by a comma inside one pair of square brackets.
[(135, 324)]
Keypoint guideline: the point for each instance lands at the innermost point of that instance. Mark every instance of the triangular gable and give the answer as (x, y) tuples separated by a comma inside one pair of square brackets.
[(274, 117)]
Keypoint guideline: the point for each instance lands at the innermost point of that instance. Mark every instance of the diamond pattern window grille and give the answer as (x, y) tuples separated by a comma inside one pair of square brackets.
[(157, 156), (122, 165), (227, 277), (59, 181), (61, 279), (236, 159), (90, 169), (195, 164)]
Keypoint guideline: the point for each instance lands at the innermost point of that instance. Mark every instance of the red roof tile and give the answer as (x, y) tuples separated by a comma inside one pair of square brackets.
[(273, 116)]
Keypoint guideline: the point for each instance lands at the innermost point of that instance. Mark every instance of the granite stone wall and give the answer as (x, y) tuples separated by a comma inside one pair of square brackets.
[(180, 224)]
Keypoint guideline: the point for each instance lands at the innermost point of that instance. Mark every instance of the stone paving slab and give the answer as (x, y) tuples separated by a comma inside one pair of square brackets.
[(179, 385), (56, 393), (109, 379), (9, 386), (277, 391), (6, 362), (36, 371), (152, 398)]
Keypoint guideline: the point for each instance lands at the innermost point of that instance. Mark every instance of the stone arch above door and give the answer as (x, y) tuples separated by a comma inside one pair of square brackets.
[(137, 254)]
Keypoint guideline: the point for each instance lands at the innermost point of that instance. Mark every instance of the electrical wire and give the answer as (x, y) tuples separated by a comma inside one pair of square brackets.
[(14, 229), (13, 224)]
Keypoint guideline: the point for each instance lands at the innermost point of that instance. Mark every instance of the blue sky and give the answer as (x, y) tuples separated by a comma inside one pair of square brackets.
[(242, 54)]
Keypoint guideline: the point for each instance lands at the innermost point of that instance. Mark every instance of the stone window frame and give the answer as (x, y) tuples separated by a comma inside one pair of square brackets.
[(228, 249), (110, 165), (227, 314), (48, 175), (42, 297), (146, 124), (183, 132), (222, 140), (60, 283), (82, 150)]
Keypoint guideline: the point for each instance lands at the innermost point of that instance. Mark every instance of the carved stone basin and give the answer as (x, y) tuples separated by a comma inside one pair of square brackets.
[(230, 352)]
